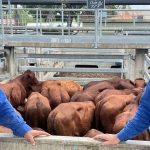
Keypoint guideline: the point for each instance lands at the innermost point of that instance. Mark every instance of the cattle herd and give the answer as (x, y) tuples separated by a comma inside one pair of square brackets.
[(63, 107)]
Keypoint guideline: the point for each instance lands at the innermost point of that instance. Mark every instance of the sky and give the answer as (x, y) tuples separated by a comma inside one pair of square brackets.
[(140, 6)]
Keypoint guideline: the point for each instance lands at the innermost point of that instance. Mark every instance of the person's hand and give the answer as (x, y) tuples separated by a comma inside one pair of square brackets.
[(33, 133), (108, 139)]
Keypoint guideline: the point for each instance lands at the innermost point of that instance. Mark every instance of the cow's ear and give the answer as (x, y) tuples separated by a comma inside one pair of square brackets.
[(27, 71), (132, 82)]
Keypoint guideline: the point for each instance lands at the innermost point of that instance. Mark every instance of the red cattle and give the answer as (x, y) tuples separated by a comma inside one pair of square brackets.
[(117, 83), (37, 109), (91, 92), (70, 86), (140, 83), (92, 89), (55, 93), (122, 119), (108, 108), (71, 119), (26, 81), (18, 89), (37, 87), (14, 93), (109, 92)]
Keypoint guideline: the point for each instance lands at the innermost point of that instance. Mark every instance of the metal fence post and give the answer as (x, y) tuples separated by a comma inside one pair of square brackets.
[(37, 28), (40, 23), (96, 27), (2, 24), (101, 25), (62, 21), (10, 17)]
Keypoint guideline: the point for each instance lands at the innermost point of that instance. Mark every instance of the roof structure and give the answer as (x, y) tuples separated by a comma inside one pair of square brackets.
[(50, 2)]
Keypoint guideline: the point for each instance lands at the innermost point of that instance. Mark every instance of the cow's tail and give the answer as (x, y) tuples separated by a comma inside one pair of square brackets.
[(50, 123), (41, 116), (97, 117)]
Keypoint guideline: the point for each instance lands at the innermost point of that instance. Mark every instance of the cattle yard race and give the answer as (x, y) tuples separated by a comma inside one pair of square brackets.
[(75, 69)]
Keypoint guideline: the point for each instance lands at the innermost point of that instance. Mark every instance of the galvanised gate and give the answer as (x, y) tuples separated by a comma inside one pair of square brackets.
[(76, 30)]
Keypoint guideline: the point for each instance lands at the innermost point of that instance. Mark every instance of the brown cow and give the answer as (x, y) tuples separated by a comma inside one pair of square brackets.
[(37, 87), (90, 93), (109, 92), (14, 93), (140, 83), (71, 119), (70, 86), (26, 80), (37, 109), (108, 108), (55, 93), (19, 88), (122, 119), (92, 89), (117, 83)]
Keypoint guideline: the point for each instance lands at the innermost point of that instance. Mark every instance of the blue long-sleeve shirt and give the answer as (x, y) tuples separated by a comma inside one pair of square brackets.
[(10, 119), (141, 121)]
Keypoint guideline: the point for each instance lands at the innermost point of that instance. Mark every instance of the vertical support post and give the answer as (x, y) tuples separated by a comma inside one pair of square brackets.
[(10, 61), (2, 21), (10, 17), (129, 64), (101, 25), (78, 20), (96, 27), (146, 77), (37, 28), (69, 22), (139, 62), (40, 22), (62, 19), (122, 66)]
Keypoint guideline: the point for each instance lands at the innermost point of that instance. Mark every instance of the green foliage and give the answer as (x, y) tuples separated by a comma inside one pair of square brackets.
[(25, 17)]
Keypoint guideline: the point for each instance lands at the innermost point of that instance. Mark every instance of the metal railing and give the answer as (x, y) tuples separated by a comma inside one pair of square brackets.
[(81, 22), (57, 61), (1, 25), (147, 67), (70, 26)]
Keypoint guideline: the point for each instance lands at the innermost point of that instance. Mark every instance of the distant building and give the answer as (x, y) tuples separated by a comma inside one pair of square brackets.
[(131, 15)]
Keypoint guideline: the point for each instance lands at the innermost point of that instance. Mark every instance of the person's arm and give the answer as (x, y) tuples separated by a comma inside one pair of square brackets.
[(10, 119), (141, 121), (137, 124)]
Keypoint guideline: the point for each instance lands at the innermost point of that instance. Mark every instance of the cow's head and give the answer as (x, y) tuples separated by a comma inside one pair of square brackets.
[(28, 77)]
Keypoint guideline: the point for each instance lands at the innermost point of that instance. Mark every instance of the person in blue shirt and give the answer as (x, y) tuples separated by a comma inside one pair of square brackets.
[(10, 119), (136, 125)]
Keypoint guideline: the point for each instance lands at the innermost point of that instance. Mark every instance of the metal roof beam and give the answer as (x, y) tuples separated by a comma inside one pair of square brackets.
[(51, 2)]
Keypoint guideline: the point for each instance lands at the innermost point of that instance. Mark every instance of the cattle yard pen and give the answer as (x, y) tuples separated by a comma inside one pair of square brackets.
[(76, 30), (92, 37), (66, 60)]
